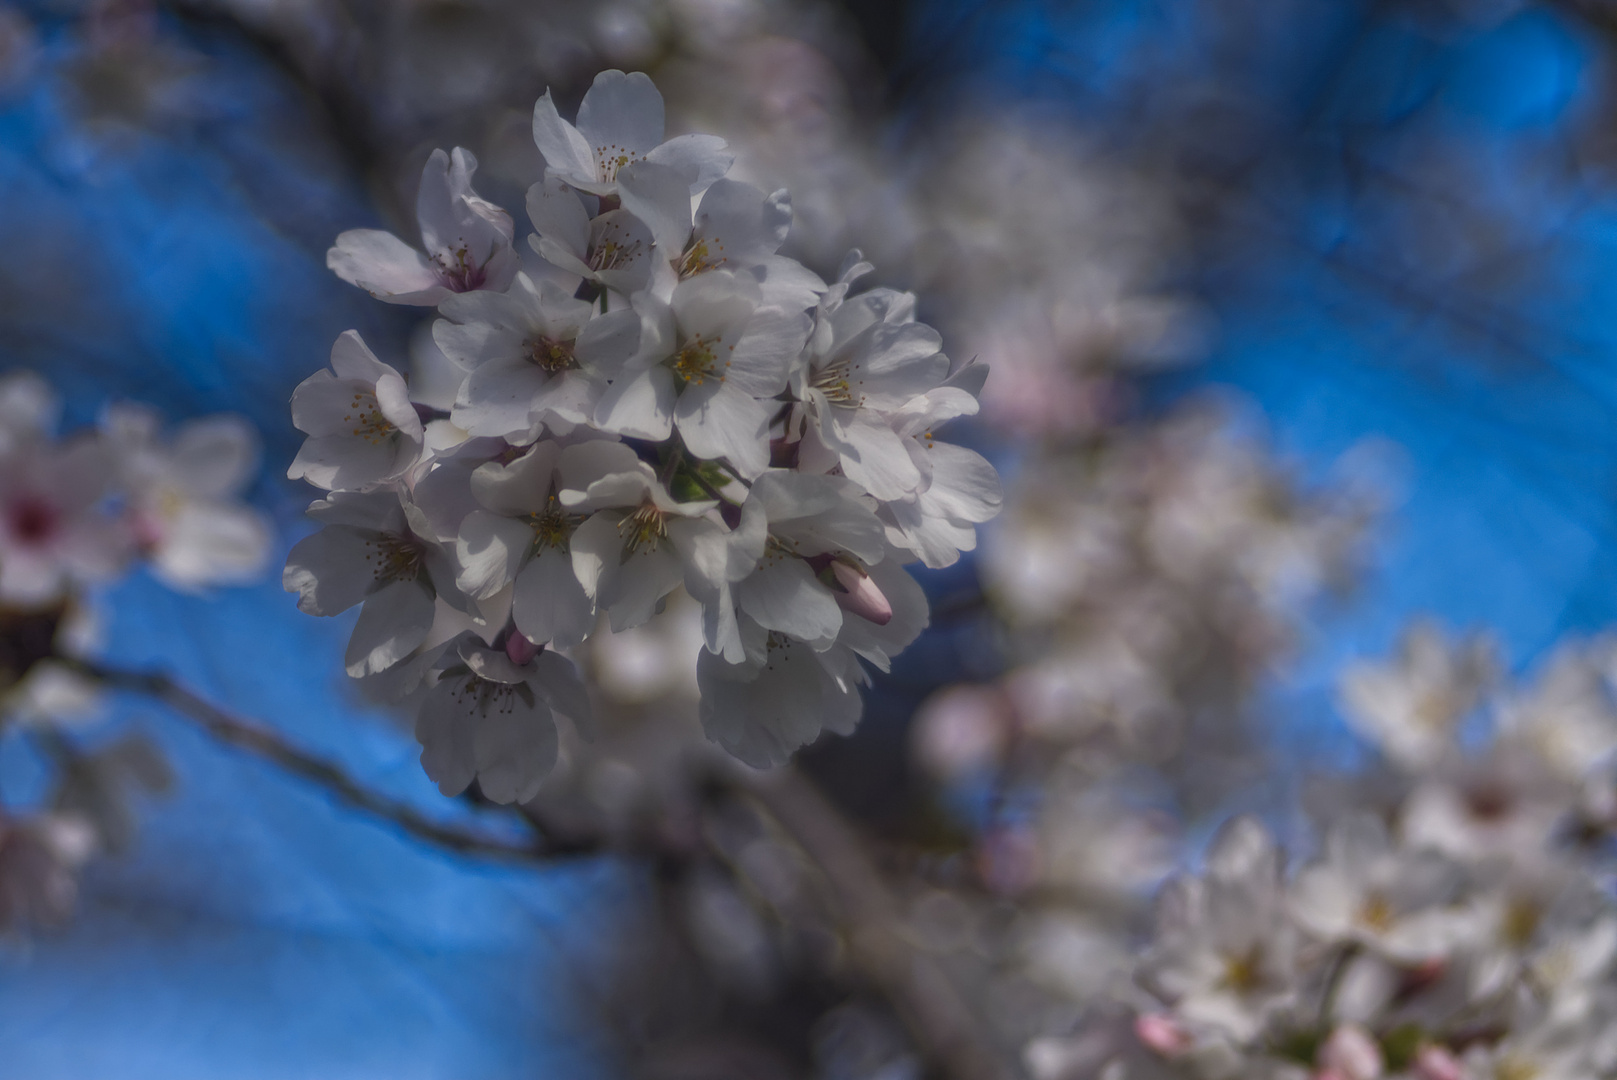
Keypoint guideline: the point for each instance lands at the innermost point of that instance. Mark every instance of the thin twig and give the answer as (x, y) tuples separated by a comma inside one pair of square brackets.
[(271, 747), (947, 1031)]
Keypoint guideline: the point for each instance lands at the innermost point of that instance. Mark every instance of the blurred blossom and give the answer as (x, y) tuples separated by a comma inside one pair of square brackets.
[(40, 857), (961, 730)]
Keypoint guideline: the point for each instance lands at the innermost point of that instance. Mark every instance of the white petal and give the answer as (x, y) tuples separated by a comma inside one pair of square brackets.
[(639, 405), (559, 216), (784, 595), (514, 743), (490, 551), (566, 152), (560, 684), (394, 620), (621, 112), (550, 604), (386, 267), (324, 570), (702, 158), (764, 718), (445, 734), (717, 421)]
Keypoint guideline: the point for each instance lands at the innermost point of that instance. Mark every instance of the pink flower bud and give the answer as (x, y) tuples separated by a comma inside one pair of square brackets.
[(1351, 1054), (863, 597), (520, 650), (1437, 1063), (1162, 1033)]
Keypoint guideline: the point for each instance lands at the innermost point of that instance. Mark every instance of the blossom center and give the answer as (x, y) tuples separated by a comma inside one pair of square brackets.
[(1520, 922), (609, 159), (366, 416), (32, 520), (1243, 972), (552, 526), (698, 359), (643, 530), (836, 382), (393, 558), (612, 251), (700, 257), (552, 354), (1376, 913), (482, 694), (458, 272)]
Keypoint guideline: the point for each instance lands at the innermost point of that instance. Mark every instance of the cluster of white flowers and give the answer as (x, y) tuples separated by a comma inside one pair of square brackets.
[(660, 400), (1456, 924), (1145, 583)]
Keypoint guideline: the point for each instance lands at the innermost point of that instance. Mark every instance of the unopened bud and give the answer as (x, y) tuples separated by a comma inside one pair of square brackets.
[(1351, 1053), (1437, 1063), (863, 596), (519, 649), (1162, 1034)]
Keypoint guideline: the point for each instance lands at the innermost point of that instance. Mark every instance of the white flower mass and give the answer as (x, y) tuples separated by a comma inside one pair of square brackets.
[(668, 403)]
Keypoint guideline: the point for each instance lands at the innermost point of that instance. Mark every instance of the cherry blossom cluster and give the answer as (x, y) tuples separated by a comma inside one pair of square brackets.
[(659, 400), (1456, 922), (77, 512)]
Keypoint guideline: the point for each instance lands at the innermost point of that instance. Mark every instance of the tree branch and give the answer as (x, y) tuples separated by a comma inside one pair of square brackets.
[(270, 746), (947, 1031)]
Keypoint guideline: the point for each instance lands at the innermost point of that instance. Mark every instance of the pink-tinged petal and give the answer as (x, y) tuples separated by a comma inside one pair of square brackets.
[(567, 153), (861, 595), (386, 267), (463, 164), (520, 651), (1163, 1034)]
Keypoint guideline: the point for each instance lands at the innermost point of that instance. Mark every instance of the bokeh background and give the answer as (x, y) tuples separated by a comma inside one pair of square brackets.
[(1376, 239)]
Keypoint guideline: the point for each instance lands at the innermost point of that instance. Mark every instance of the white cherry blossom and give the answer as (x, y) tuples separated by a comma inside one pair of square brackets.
[(467, 242), (180, 495), (620, 122), (490, 718), (533, 354), (363, 431)]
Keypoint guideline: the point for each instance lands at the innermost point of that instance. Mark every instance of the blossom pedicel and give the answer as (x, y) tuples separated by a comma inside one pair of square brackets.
[(664, 401)]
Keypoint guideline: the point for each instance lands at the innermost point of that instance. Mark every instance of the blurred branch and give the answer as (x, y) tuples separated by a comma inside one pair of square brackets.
[(271, 747), (947, 1032)]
